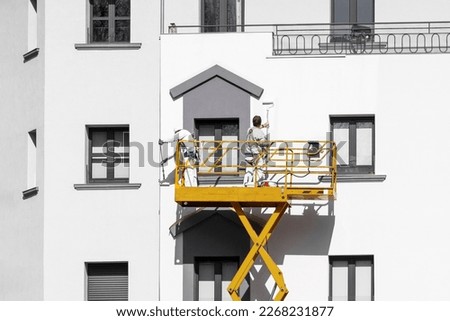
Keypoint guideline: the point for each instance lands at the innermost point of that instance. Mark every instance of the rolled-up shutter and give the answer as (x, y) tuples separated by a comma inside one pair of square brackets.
[(107, 281)]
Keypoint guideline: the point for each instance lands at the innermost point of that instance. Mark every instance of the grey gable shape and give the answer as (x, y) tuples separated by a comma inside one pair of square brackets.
[(216, 71), (193, 219)]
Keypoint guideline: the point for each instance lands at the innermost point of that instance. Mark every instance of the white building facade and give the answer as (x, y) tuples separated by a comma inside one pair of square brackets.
[(88, 88)]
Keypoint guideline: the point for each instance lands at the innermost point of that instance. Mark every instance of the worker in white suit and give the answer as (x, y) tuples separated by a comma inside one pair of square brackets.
[(188, 155), (256, 147)]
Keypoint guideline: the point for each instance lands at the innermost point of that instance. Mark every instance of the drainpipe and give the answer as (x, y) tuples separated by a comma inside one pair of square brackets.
[(162, 16)]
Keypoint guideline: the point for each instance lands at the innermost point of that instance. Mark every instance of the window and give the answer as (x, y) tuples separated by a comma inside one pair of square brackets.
[(351, 278), (225, 156), (107, 281), (212, 277), (352, 11), (31, 166), (355, 140), (32, 24), (222, 15), (110, 20), (347, 13), (108, 155)]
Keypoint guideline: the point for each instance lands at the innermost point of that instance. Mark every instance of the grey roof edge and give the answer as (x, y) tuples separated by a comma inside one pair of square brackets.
[(216, 71)]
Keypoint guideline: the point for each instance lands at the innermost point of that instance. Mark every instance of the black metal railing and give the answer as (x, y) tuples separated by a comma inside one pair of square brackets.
[(348, 39)]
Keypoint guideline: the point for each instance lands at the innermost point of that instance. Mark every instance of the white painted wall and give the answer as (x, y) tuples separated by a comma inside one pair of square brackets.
[(404, 10), (401, 221), (95, 87), (185, 12), (21, 110), (287, 11)]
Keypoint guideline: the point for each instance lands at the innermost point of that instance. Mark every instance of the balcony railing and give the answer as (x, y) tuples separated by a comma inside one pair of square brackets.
[(346, 39)]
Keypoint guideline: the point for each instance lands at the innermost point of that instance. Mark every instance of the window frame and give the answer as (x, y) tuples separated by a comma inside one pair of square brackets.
[(353, 12), (223, 27), (111, 18), (351, 266), (343, 31), (352, 120), (218, 134), (110, 130), (218, 273)]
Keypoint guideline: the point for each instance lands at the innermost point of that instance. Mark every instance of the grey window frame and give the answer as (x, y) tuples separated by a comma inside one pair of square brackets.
[(107, 269), (109, 155), (353, 12), (351, 262), (111, 18), (224, 27), (343, 31), (218, 262), (352, 168), (218, 135)]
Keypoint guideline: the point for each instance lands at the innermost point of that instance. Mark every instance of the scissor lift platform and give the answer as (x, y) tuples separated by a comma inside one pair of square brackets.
[(265, 196), (292, 170)]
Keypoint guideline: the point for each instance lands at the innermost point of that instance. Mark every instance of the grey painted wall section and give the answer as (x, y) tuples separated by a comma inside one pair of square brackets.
[(216, 236), (217, 99), (21, 110), (219, 235), (216, 71)]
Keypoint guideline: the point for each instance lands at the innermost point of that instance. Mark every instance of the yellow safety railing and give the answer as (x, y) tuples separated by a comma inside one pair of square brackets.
[(278, 163)]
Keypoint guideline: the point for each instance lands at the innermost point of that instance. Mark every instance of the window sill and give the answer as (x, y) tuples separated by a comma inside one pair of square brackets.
[(108, 46), (30, 192), (30, 55), (355, 178), (106, 186)]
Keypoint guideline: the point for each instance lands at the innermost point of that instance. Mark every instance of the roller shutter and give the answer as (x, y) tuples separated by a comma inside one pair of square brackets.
[(107, 281)]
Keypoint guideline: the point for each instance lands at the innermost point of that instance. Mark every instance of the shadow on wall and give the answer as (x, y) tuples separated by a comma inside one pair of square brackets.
[(169, 179), (305, 234), (207, 232), (303, 230)]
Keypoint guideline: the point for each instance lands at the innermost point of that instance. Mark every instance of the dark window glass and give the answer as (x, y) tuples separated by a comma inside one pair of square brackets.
[(122, 31), (100, 31), (110, 21), (231, 15), (221, 15), (100, 8), (122, 8), (211, 15)]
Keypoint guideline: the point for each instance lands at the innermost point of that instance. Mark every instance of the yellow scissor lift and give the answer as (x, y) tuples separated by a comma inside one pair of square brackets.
[(289, 170)]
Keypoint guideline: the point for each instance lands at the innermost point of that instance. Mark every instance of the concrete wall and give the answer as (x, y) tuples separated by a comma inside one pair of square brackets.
[(401, 221), (99, 87), (21, 110)]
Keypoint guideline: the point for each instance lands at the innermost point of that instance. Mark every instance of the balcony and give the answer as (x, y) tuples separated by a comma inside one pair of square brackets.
[(345, 39)]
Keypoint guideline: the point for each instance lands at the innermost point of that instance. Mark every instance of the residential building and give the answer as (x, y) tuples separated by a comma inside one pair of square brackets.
[(89, 87)]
